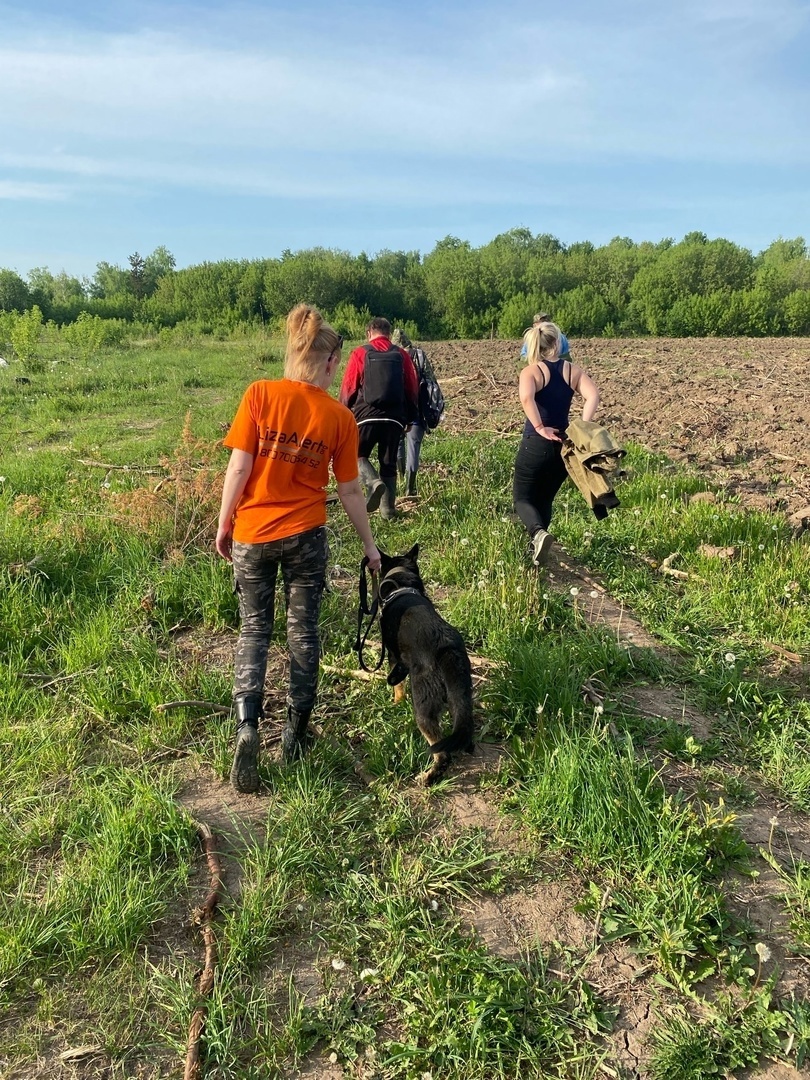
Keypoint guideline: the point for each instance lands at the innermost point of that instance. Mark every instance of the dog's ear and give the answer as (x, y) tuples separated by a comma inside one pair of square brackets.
[(413, 553)]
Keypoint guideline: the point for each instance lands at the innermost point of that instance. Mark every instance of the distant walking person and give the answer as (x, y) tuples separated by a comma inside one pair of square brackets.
[(284, 438), (381, 389), (410, 444), (547, 387)]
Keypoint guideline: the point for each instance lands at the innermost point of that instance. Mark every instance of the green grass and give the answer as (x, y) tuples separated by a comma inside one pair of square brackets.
[(346, 934)]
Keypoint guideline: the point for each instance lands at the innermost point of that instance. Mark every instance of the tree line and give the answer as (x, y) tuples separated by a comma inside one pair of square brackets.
[(693, 287)]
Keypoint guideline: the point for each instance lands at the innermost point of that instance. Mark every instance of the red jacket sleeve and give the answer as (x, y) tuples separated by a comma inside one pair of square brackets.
[(353, 377)]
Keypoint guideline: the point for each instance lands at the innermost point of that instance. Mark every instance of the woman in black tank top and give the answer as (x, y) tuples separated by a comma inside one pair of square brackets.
[(547, 388)]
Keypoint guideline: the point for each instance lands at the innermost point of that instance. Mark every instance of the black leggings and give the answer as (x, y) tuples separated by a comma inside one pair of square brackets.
[(539, 473)]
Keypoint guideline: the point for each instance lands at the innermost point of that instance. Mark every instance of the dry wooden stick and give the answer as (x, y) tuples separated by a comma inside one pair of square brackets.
[(366, 676), (204, 917), (123, 468), (221, 710)]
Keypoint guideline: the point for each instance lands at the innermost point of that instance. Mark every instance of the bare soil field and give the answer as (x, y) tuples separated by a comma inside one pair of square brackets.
[(735, 409)]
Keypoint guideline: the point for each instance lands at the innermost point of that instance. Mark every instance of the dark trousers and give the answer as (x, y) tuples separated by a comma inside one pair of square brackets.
[(302, 559), (539, 473), (384, 435)]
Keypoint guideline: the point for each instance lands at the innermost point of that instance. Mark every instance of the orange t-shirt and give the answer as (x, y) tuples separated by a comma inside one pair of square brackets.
[(293, 430)]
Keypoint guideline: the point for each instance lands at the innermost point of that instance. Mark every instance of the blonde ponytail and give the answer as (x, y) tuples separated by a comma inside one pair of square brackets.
[(542, 342), (310, 343)]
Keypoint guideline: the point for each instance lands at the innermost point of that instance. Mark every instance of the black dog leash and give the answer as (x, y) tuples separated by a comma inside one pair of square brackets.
[(372, 613)]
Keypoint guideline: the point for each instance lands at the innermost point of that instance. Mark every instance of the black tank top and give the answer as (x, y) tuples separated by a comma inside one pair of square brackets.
[(554, 400)]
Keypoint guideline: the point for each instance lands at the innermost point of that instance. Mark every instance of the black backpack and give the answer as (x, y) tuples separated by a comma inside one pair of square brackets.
[(384, 380), (431, 398), (431, 403)]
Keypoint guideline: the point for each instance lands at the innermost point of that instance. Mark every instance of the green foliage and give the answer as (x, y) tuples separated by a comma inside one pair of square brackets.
[(25, 333), (14, 294), (695, 287)]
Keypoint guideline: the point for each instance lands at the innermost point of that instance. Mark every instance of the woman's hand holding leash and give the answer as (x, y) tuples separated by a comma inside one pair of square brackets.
[(373, 556)]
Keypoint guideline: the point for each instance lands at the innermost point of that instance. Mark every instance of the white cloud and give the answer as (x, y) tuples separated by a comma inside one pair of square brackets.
[(23, 189)]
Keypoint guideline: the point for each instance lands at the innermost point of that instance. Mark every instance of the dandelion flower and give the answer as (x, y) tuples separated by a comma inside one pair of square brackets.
[(761, 547), (593, 593), (729, 658), (338, 964), (763, 952), (333, 1058), (574, 590)]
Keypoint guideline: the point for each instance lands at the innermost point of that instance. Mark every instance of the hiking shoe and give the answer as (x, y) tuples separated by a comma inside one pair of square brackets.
[(541, 547), (376, 489), (245, 771)]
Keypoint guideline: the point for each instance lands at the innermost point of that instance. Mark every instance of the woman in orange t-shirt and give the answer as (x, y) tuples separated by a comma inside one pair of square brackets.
[(284, 438)]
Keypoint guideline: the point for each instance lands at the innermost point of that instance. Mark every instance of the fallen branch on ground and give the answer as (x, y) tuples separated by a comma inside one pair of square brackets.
[(204, 917), (221, 710), (123, 468), (356, 673)]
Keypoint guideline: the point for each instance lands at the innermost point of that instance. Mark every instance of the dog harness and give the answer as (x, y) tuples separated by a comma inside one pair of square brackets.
[(378, 603)]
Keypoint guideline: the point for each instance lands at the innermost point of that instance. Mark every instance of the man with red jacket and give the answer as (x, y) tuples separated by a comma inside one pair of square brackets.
[(381, 388)]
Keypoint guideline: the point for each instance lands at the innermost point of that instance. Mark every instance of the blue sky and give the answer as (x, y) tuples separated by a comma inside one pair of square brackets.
[(238, 131)]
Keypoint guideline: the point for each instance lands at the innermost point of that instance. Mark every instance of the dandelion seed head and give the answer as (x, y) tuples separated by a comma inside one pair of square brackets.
[(434, 905), (761, 547), (333, 1058), (574, 590), (762, 951), (464, 540), (729, 658), (519, 589), (338, 964), (774, 822), (593, 593)]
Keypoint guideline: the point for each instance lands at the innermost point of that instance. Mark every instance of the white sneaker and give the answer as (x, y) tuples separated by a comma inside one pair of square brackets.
[(541, 547)]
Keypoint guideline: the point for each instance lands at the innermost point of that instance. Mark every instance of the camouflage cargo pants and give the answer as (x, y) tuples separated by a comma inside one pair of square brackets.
[(302, 559)]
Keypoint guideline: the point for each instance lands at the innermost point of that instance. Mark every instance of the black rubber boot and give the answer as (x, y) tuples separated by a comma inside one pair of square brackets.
[(388, 505), (295, 738), (410, 483), (245, 768), (373, 486)]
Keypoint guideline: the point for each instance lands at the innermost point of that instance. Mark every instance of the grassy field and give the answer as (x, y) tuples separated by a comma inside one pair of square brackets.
[(346, 945)]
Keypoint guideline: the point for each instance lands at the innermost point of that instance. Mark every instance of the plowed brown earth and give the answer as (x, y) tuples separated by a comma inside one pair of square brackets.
[(736, 409)]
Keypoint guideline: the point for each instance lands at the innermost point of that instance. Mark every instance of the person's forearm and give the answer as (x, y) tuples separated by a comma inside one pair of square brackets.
[(354, 503), (589, 407), (236, 478)]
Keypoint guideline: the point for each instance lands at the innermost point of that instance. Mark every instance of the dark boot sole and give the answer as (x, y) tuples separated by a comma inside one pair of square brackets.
[(378, 489), (245, 770)]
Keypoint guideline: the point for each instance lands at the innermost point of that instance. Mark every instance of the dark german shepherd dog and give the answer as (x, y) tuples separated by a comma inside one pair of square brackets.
[(421, 644)]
